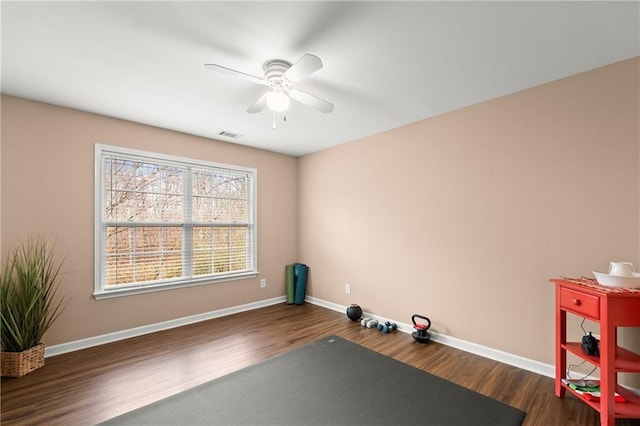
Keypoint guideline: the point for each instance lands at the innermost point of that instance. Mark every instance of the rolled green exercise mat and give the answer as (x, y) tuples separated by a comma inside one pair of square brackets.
[(288, 272), (300, 272)]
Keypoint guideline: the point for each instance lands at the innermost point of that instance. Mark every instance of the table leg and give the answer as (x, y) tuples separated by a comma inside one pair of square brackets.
[(561, 338)]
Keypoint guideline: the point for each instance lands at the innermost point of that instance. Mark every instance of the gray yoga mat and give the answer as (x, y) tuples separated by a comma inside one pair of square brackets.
[(328, 382)]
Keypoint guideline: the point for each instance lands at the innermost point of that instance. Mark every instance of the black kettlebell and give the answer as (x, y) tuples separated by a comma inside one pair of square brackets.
[(421, 334)]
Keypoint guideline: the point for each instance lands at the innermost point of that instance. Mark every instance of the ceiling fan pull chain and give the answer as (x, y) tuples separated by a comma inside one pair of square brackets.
[(274, 120)]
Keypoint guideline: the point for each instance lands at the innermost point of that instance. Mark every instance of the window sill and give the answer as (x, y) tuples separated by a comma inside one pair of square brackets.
[(151, 288)]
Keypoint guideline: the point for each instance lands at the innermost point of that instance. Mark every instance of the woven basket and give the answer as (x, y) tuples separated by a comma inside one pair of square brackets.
[(17, 364)]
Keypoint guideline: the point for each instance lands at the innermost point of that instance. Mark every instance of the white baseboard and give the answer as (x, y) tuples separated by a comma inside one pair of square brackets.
[(152, 328), (484, 351), (497, 355)]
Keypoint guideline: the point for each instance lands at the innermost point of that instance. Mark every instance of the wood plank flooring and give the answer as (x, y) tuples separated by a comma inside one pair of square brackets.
[(95, 384)]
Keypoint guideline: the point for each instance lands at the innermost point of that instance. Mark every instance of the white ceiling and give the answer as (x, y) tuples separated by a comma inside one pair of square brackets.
[(386, 64)]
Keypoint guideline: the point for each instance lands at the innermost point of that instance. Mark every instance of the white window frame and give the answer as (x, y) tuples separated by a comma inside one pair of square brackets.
[(102, 291)]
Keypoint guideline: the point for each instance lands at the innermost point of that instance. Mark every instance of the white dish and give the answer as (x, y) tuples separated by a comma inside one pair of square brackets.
[(618, 281)]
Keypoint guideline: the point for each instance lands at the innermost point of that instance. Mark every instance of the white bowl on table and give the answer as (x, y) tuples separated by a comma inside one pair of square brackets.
[(617, 280)]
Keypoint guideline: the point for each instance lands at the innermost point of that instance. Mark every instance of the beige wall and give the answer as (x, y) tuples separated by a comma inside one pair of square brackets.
[(464, 217), (47, 187)]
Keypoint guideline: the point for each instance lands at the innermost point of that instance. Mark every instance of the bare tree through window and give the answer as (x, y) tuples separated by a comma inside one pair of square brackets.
[(164, 221)]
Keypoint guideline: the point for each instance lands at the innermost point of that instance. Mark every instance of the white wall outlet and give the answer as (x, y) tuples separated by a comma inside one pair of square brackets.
[(347, 289), (263, 283)]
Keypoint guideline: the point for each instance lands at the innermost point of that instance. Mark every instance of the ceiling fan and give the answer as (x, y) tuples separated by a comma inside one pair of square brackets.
[(279, 77)]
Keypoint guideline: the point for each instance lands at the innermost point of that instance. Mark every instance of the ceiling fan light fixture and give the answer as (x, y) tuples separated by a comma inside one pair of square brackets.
[(278, 101)]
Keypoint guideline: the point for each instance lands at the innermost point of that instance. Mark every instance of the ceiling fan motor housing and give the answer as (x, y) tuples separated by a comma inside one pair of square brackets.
[(274, 72)]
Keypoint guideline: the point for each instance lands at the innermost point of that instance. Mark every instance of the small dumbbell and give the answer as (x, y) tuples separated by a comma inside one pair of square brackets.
[(387, 327)]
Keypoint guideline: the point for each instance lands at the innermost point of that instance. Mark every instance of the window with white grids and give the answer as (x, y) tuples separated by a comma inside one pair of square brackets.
[(164, 222)]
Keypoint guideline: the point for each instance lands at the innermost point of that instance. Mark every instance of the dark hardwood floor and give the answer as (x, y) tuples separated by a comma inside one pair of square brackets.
[(95, 384)]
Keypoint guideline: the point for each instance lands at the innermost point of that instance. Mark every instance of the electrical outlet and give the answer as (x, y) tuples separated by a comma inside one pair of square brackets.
[(263, 283), (347, 289)]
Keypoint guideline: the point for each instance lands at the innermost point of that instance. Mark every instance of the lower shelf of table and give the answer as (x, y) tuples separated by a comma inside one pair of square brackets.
[(623, 410), (625, 360)]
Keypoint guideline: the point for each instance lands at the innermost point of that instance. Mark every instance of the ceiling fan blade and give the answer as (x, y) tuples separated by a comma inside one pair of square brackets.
[(225, 70), (259, 104), (311, 101), (305, 66)]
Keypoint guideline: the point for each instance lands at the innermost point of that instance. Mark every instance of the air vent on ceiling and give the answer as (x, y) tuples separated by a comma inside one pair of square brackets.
[(228, 134)]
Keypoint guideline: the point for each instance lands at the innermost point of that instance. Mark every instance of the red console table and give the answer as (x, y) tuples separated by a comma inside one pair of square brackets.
[(611, 308)]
